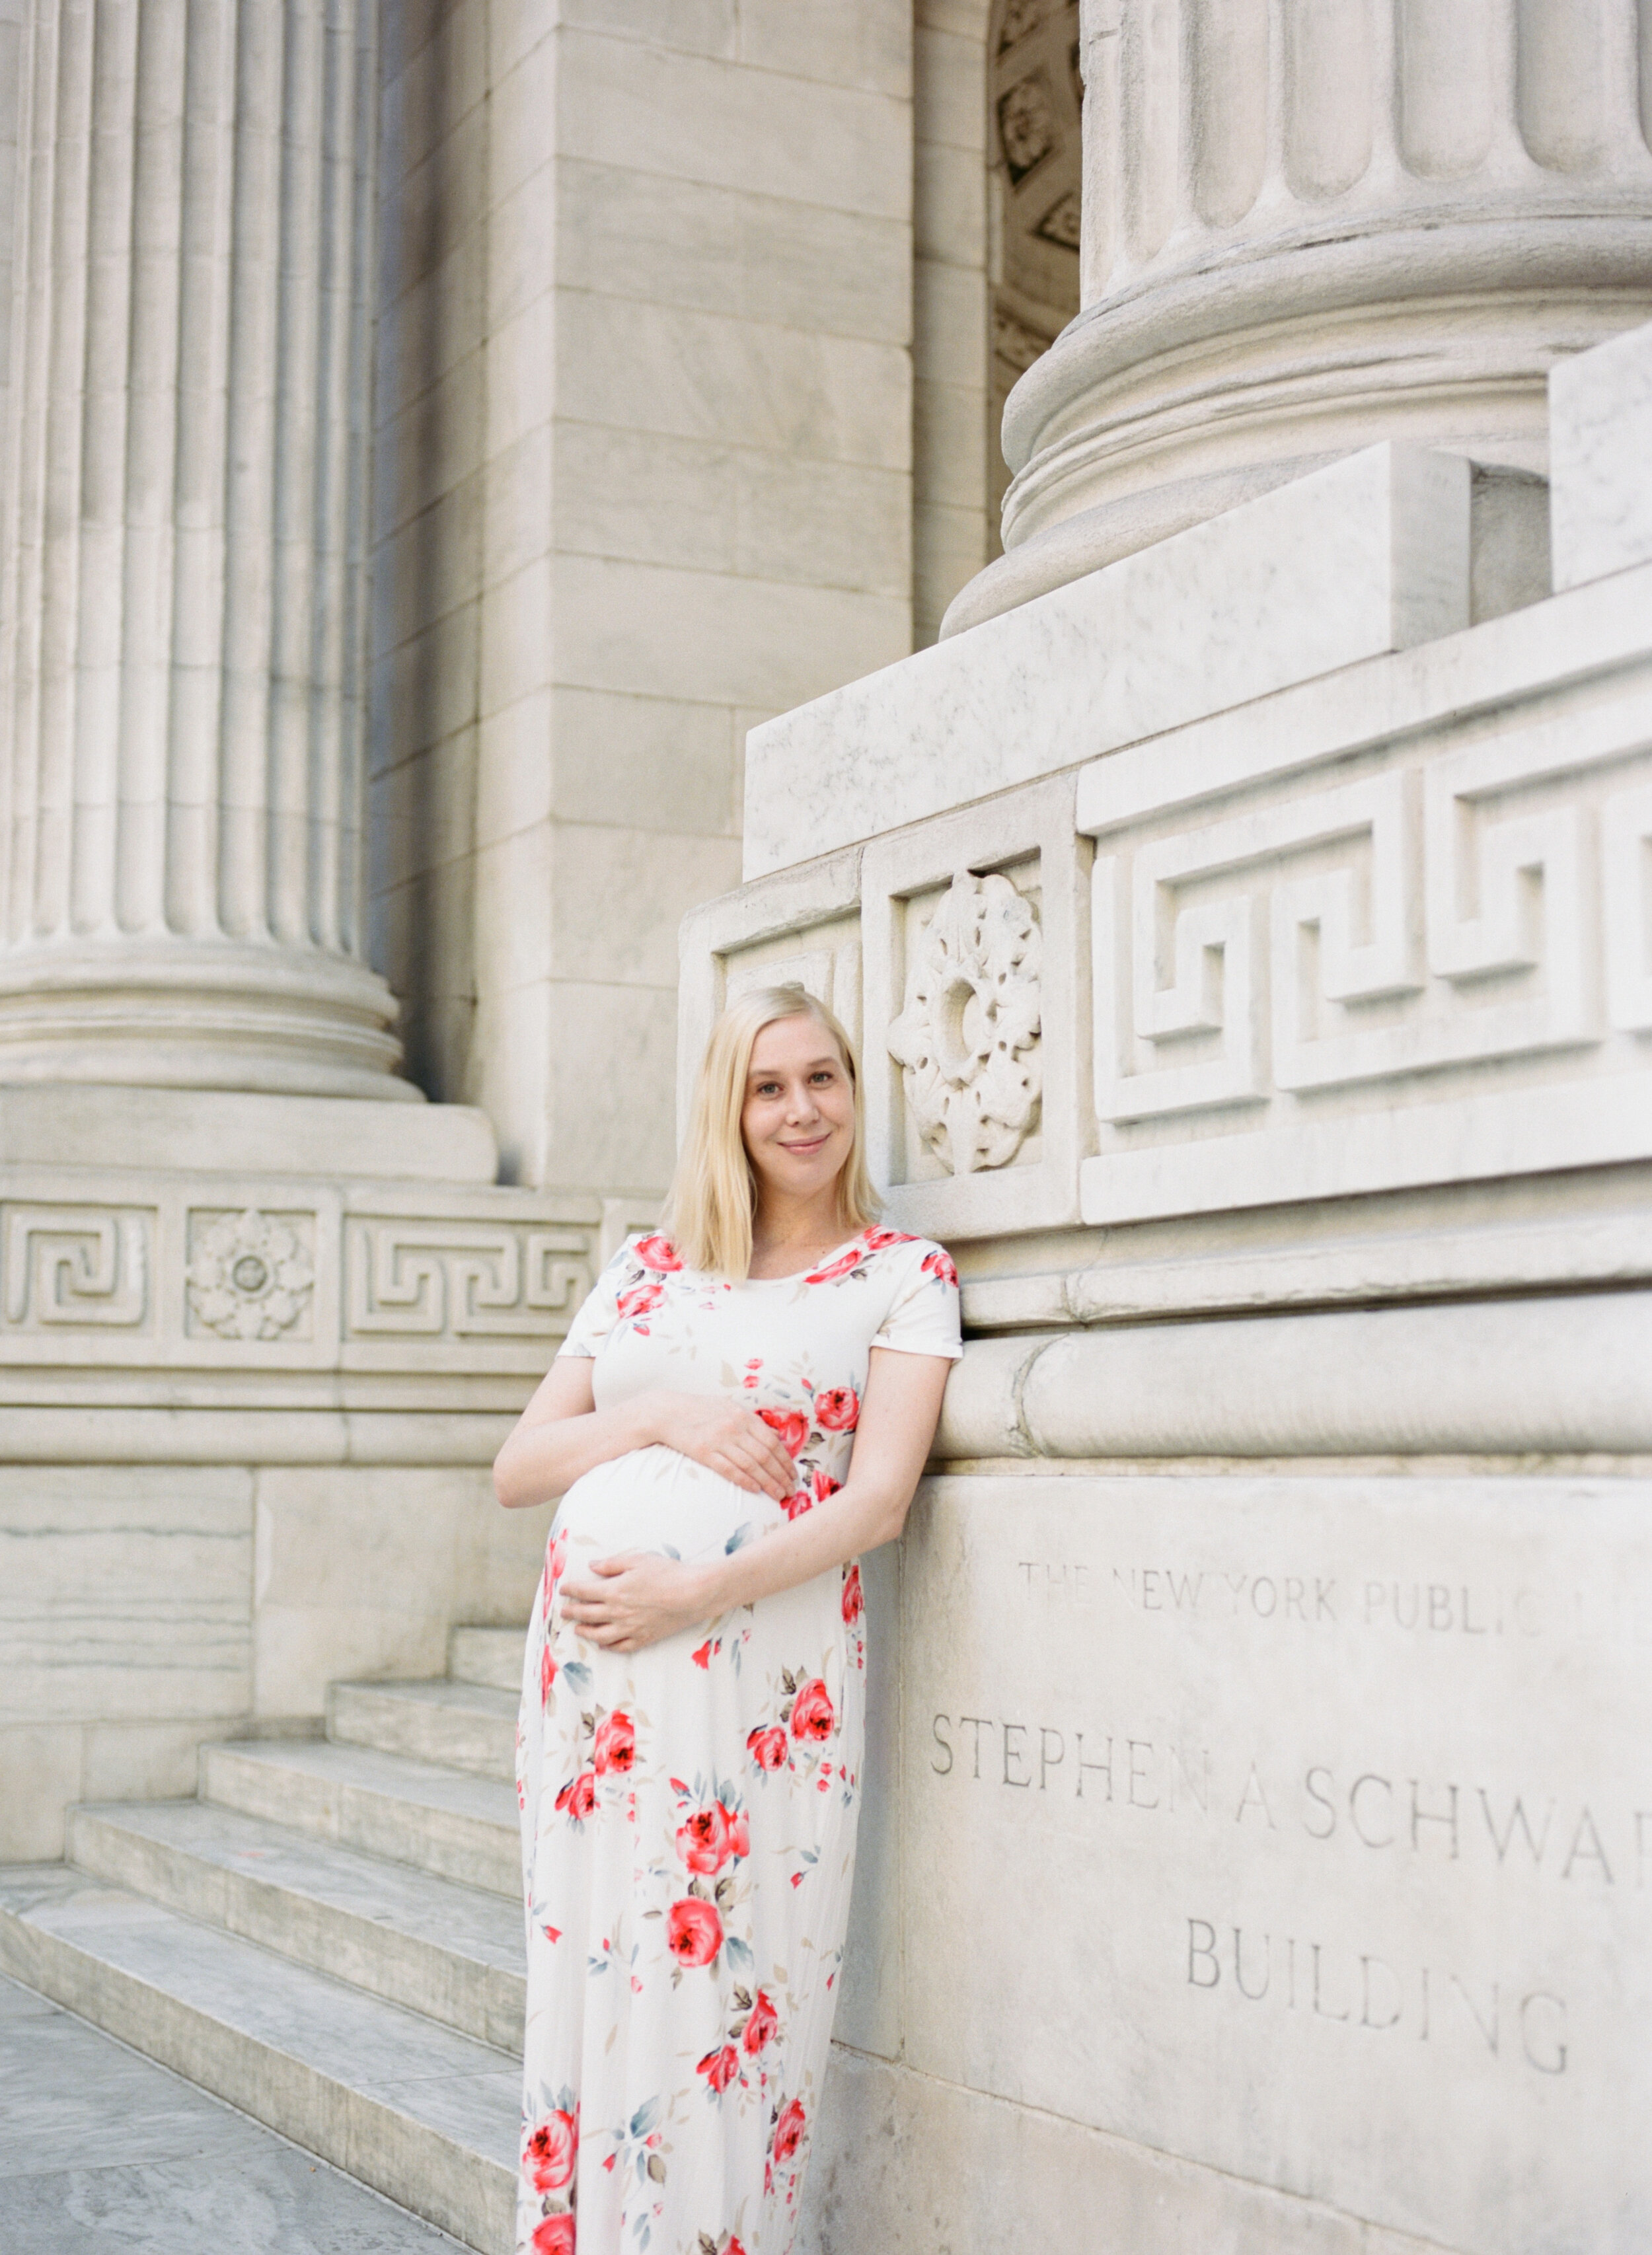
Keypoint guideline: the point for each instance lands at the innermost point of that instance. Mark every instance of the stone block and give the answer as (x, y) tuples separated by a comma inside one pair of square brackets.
[(692, 375), (217, 1130), (619, 896), (868, 44), (652, 761), (906, 2164), (715, 639), (1479, 1016), (127, 1592), (693, 118), (1600, 459), (949, 103), (949, 204), (725, 251), (1297, 1788), (611, 1042), (1371, 555), (360, 1569), (41, 1767)]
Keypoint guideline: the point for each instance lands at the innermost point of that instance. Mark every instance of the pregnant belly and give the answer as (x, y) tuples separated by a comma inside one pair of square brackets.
[(658, 1499)]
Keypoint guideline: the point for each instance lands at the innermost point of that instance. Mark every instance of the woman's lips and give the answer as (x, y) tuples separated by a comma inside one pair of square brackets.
[(802, 1150)]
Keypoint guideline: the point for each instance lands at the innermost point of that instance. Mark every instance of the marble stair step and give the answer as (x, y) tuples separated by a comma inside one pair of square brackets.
[(465, 1726), (453, 1953), (488, 1655), (444, 1820), (423, 2114)]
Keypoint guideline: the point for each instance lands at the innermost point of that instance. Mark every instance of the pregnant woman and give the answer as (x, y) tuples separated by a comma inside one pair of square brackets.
[(742, 1405)]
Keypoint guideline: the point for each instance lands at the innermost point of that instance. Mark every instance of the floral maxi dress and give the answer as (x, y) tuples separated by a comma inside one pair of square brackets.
[(689, 1811)]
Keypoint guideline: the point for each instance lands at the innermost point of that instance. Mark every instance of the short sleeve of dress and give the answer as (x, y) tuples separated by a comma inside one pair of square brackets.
[(923, 1317), (599, 1309)]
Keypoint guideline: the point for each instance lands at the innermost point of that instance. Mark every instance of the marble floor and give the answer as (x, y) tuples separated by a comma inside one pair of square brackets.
[(100, 2148)]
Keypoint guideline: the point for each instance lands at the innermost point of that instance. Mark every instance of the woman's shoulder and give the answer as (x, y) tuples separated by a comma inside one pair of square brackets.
[(904, 1247)]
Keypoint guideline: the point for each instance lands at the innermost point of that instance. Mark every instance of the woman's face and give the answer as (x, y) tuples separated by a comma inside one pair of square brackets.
[(798, 1121)]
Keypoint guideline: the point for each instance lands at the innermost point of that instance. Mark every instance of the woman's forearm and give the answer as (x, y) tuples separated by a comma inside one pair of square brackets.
[(833, 1533), (541, 1461)]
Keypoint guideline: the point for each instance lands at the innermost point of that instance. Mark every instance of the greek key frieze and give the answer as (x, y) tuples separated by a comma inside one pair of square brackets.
[(1424, 921), (76, 1268), (436, 1279)]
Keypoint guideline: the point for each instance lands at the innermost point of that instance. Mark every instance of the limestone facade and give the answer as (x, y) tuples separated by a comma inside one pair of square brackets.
[(1241, 910)]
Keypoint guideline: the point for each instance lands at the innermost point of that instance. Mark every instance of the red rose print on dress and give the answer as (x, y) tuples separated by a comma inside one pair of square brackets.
[(703, 1842), (554, 2237), (659, 1252), (548, 2153), (791, 1425), (693, 1931), (578, 1796), (641, 1300), (547, 1674), (837, 1409), (942, 1265), (795, 1506), (854, 1596), (763, 2024), (877, 1239), (812, 1714), (766, 1745), (720, 2068), (616, 1746), (789, 2131), (834, 1270)]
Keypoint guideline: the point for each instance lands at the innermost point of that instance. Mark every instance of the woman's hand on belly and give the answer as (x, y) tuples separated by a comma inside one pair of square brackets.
[(728, 1439), (635, 1599)]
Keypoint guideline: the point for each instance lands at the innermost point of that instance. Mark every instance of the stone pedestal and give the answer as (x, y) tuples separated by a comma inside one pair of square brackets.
[(184, 483), (1250, 954), (1310, 228)]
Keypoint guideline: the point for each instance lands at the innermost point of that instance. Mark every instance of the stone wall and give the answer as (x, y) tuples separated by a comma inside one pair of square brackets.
[(1249, 952), (645, 420)]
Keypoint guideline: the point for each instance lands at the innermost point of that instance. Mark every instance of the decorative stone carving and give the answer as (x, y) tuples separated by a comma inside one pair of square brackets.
[(969, 1037), (429, 1279), (249, 1276), (70, 1266)]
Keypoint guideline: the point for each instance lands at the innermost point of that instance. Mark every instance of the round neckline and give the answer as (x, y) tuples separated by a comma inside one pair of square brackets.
[(793, 1274)]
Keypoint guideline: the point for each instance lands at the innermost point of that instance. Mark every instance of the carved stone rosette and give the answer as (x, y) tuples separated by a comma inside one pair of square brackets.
[(249, 1277), (968, 1036)]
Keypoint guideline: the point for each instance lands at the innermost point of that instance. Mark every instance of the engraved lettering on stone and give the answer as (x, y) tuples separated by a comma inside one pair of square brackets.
[(1363, 1990), (413, 1279), (73, 1266), (251, 1275), (969, 1037)]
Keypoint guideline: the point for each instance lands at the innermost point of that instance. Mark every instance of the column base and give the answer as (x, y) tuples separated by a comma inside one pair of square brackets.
[(199, 1014)]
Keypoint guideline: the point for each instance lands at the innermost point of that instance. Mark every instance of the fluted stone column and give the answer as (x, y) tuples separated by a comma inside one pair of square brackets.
[(1309, 225), (183, 481)]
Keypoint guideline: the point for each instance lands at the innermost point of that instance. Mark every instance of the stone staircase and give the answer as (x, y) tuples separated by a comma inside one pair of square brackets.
[(329, 1938)]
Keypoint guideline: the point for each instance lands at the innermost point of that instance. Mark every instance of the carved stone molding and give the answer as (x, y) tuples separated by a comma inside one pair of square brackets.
[(968, 1037), (251, 1275), (70, 1266), (430, 1279)]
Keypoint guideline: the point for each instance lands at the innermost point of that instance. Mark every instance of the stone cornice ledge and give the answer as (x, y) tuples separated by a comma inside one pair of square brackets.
[(1535, 1376)]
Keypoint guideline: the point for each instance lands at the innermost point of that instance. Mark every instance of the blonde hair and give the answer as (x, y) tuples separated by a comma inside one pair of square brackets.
[(713, 1201)]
